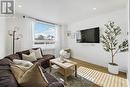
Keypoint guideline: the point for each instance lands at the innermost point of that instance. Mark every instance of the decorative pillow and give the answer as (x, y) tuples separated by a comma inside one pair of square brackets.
[(24, 68), (17, 71), (22, 62), (30, 57), (33, 77), (37, 53)]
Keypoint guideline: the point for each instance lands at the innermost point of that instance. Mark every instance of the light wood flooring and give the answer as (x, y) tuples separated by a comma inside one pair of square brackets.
[(96, 67)]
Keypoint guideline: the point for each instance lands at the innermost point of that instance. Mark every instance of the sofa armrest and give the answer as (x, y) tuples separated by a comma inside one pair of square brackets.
[(6, 61), (13, 56), (56, 84)]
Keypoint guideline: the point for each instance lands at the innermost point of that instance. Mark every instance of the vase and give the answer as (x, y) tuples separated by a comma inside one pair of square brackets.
[(113, 68)]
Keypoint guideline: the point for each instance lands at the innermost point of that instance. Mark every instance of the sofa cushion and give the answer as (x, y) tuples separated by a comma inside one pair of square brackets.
[(24, 68), (17, 71), (44, 62), (48, 56), (6, 77), (23, 62), (37, 52), (38, 48), (31, 57), (27, 52), (33, 76), (5, 61), (13, 56)]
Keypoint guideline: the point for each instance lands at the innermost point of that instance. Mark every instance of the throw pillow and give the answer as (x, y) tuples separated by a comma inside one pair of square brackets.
[(22, 62), (17, 71), (33, 77), (31, 57), (37, 53), (24, 68)]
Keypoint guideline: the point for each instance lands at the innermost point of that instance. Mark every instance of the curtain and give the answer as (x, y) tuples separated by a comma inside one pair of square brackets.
[(27, 31), (58, 40)]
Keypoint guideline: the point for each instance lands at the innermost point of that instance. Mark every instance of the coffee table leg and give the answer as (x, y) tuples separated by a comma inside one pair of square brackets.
[(50, 66), (75, 70), (65, 76)]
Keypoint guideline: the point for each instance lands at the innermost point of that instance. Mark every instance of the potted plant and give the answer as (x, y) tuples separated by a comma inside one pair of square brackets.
[(110, 41)]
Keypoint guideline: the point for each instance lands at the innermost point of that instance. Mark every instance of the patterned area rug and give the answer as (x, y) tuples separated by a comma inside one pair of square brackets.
[(73, 81), (101, 79)]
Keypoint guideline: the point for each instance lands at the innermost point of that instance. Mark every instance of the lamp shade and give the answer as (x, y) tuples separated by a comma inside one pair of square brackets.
[(63, 53)]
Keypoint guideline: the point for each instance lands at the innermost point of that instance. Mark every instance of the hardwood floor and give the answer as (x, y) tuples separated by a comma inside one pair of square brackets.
[(96, 67)]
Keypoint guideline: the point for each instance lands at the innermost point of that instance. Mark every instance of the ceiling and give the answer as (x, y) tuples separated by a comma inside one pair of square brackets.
[(66, 11)]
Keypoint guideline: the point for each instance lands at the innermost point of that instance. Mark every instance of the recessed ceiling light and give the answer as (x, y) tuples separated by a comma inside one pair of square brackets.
[(19, 6), (94, 8)]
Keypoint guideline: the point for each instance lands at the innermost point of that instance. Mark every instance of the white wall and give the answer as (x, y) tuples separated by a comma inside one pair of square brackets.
[(94, 53), (128, 76), (64, 36), (3, 36)]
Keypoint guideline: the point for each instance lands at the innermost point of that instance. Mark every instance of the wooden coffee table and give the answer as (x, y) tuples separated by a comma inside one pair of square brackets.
[(66, 67)]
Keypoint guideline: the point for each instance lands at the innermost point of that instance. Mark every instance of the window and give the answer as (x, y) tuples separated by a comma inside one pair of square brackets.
[(44, 35)]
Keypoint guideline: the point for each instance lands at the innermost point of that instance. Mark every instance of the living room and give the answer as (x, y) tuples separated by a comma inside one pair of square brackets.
[(59, 27)]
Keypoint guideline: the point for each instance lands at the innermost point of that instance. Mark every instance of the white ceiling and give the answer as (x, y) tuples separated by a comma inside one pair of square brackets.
[(67, 11)]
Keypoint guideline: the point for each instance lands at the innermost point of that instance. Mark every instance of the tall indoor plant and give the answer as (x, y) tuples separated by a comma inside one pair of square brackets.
[(110, 41)]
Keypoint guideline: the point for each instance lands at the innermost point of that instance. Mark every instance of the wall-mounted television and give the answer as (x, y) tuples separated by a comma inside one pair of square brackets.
[(91, 35)]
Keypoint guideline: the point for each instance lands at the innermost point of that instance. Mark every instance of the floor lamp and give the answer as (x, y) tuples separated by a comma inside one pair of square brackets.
[(14, 36)]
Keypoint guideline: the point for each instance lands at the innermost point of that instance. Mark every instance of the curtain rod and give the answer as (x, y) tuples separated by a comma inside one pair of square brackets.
[(40, 20)]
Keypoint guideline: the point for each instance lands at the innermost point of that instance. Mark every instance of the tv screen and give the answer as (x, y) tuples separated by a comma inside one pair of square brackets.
[(89, 36)]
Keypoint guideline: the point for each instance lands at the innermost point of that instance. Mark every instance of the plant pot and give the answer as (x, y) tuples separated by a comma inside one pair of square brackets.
[(113, 68)]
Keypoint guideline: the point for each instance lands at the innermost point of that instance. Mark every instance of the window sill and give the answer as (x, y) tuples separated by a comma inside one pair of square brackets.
[(45, 47)]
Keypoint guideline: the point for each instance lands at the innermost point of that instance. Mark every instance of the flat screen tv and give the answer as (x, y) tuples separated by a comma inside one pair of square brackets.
[(89, 35)]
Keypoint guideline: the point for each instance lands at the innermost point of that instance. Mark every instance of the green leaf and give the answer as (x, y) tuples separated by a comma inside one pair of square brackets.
[(110, 38), (123, 46)]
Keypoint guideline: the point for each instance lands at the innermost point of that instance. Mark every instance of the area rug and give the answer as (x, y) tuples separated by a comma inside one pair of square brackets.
[(73, 81), (100, 78)]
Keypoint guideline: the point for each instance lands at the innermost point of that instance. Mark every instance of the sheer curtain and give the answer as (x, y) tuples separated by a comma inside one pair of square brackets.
[(27, 31), (58, 40)]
